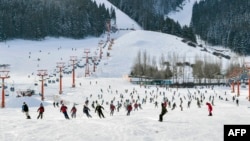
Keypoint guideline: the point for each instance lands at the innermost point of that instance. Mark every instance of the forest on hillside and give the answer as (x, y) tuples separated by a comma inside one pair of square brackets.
[(218, 22), (223, 22), (29, 19), (150, 14), (36, 19)]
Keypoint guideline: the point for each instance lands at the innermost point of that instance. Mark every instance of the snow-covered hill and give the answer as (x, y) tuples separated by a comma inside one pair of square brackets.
[(26, 57), (107, 84), (123, 21)]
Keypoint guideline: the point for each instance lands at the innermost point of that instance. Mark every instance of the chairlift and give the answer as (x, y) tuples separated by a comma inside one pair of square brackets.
[(12, 89)]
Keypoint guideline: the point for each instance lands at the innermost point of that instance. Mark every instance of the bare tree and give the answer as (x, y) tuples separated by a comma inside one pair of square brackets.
[(161, 62), (198, 69)]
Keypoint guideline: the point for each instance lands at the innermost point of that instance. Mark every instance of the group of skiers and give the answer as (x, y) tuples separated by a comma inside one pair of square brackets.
[(86, 111), (40, 110), (98, 109), (134, 103)]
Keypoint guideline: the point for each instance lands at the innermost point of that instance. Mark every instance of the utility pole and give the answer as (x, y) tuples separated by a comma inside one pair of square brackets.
[(4, 74), (248, 68), (238, 88), (42, 74), (73, 59), (87, 62), (232, 86), (236, 80), (60, 65), (94, 62), (100, 45)]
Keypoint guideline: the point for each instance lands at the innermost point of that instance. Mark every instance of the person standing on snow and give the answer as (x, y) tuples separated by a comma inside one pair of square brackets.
[(156, 104), (173, 107), (93, 105), (73, 112), (210, 108), (163, 112), (40, 110), (129, 108), (237, 102), (25, 109), (99, 110), (86, 110), (63, 109), (136, 106), (112, 109)]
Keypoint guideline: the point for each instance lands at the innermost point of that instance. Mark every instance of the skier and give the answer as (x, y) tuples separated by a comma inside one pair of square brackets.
[(112, 109), (87, 101), (173, 107), (93, 105), (57, 104), (198, 103), (210, 108), (64, 110), (136, 106), (99, 110), (139, 105), (233, 98), (181, 107), (40, 110), (73, 112), (163, 112), (25, 109), (212, 101), (237, 102), (129, 108), (156, 104), (86, 110), (189, 103), (119, 105)]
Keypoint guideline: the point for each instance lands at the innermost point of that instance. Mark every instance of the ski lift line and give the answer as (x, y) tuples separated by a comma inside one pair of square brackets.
[(201, 57), (4, 65)]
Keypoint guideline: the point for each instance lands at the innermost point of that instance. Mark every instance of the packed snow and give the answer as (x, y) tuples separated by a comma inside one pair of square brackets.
[(108, 83)]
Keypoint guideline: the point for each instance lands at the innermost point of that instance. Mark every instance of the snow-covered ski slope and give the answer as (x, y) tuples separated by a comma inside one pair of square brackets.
[(106, 84)]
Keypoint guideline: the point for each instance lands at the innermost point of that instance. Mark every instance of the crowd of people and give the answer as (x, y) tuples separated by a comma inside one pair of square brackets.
[(134, 101)]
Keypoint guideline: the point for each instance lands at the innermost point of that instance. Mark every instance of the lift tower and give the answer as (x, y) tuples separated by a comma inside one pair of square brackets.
[(87, 62), (60, 65), (247, 65), (42, 74), (73, 59), (4, 74)]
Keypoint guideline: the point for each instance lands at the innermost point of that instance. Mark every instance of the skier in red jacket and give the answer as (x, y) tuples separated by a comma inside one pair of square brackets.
[(210, 108), (112, 109), (129, 108), (40, 110), (73, 112), (64, 110)]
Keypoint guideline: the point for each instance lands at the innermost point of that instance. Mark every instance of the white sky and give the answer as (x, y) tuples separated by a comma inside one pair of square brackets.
[(191, 124)]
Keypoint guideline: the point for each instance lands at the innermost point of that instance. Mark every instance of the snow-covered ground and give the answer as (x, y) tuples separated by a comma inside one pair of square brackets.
[(190, 124), (108, 83)]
